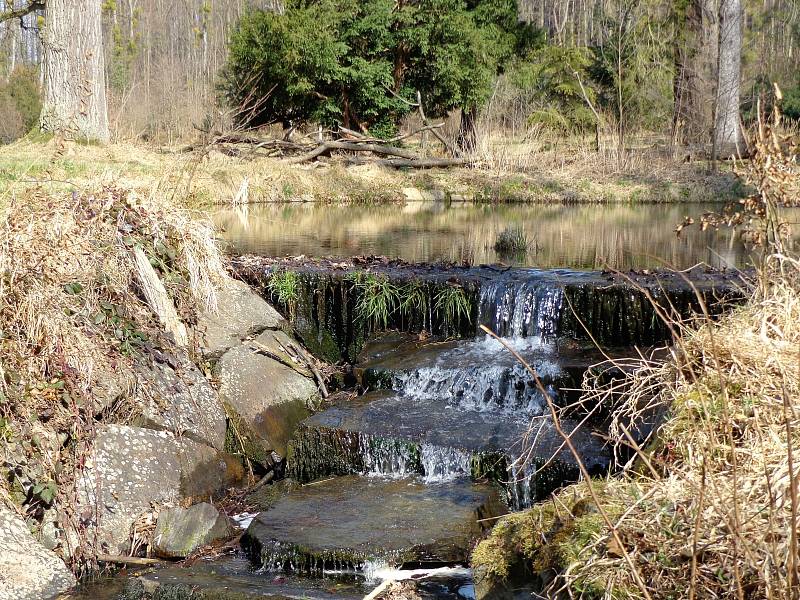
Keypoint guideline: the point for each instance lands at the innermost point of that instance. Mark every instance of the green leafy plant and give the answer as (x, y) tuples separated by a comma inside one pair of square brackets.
[(415, 299), (378, 299), (452, 304)]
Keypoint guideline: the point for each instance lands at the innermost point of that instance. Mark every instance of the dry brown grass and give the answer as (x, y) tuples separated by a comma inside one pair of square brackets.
[(74, 324)]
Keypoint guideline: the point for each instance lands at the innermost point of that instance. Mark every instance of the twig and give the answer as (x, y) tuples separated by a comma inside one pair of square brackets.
[(129, 560)]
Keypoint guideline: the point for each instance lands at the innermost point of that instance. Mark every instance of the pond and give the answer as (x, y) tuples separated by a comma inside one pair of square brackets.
[(619, 236)]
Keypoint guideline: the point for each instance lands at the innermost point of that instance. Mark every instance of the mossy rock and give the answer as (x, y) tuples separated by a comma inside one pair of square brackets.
[(533, 547)]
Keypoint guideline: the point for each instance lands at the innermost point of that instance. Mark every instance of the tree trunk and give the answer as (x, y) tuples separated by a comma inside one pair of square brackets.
[(696, 52), (74, 72), (727, 135), (467, 132)]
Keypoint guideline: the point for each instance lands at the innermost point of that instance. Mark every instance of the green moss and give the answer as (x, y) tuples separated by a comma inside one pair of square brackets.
[(543, 541)]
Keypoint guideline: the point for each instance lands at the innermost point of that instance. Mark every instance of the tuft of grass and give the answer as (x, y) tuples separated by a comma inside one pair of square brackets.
[(284, 287), (415, 299), (512, 240), (378, 299), (453, 304)]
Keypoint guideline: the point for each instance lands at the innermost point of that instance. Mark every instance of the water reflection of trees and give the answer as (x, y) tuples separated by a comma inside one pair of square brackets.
[(583, 236)]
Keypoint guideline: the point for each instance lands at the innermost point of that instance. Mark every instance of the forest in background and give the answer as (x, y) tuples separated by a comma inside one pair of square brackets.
[(632, 72)]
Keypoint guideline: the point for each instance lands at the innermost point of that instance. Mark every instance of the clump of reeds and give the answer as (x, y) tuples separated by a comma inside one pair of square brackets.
[(512, 240)]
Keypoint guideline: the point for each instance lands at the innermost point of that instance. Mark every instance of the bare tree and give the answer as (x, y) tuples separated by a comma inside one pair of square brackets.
[(727, 135), (74, 70)]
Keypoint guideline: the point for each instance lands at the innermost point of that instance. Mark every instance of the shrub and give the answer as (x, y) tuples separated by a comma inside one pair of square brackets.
[(350, 62), (512, 240)]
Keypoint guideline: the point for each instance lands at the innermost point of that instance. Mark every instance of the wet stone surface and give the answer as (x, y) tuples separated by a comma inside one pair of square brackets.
[(388, 433), (347, 523)]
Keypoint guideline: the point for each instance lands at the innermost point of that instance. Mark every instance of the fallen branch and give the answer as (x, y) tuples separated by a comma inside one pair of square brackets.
[(310, 364), (434, 131), (353, 147), (416, 163), (129, 560)]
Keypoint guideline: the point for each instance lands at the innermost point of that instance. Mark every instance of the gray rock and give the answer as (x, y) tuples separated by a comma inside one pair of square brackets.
[(265, 398), (129, 469), (180, 531), (240, 313), (182, 401), (110, 383), (348, 521), (28, 571)]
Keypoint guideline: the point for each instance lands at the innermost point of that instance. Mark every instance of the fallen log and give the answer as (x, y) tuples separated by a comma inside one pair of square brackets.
[(353, 147), (415, 163)]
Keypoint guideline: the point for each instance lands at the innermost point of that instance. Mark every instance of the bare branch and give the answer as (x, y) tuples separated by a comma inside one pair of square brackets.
[(18, 13)]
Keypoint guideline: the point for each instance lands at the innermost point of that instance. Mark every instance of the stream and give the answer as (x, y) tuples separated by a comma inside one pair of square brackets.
[(448, 431)]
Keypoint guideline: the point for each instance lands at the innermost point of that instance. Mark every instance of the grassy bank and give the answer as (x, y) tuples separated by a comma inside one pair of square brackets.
[(78, 326), (206, 175)]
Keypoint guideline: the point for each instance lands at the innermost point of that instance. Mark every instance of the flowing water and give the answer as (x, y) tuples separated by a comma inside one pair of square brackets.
[(620, 236), (449, 434)]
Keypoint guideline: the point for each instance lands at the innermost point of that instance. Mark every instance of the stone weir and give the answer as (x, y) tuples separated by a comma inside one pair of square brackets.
[(333, 304)]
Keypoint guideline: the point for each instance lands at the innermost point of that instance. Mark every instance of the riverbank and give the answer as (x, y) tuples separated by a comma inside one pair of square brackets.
[(205, 175), (129, 387)]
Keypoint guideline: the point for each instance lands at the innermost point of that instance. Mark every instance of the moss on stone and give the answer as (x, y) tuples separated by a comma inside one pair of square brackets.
[(539, 543)]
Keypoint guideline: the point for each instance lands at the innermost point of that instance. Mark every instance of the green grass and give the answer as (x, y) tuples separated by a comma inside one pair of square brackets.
[(415, 299), (284, 286), (452, 304), (378, 299)]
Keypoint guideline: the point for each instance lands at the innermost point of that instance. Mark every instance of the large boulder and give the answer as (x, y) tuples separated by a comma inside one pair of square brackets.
[(178, 398), (130, 469), (264, 396), (240, 313), (181, 531), (28, 571)]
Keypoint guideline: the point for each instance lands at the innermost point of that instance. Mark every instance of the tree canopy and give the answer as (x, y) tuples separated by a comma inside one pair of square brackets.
[(360, 63)]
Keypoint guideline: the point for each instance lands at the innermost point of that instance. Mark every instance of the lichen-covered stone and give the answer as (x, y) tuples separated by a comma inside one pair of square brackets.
[(28, 571), (181, 531), (180, 399), (129, 469), (240, 313), (265, 398)]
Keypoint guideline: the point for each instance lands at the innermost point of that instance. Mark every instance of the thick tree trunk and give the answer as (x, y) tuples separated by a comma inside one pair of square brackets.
[(696, 57), (727, 135), (74, 73)]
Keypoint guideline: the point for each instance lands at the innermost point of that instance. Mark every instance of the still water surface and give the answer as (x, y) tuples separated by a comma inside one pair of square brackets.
[(578, 236)]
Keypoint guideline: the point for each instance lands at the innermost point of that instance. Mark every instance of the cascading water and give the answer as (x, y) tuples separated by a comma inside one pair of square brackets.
[(513, 308), (443, 464), (505, 389)]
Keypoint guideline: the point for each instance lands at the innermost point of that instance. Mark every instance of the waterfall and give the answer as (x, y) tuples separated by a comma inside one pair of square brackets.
[(528, 308), (388, 459), (436, 464), (444, 464), (507, 389)]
